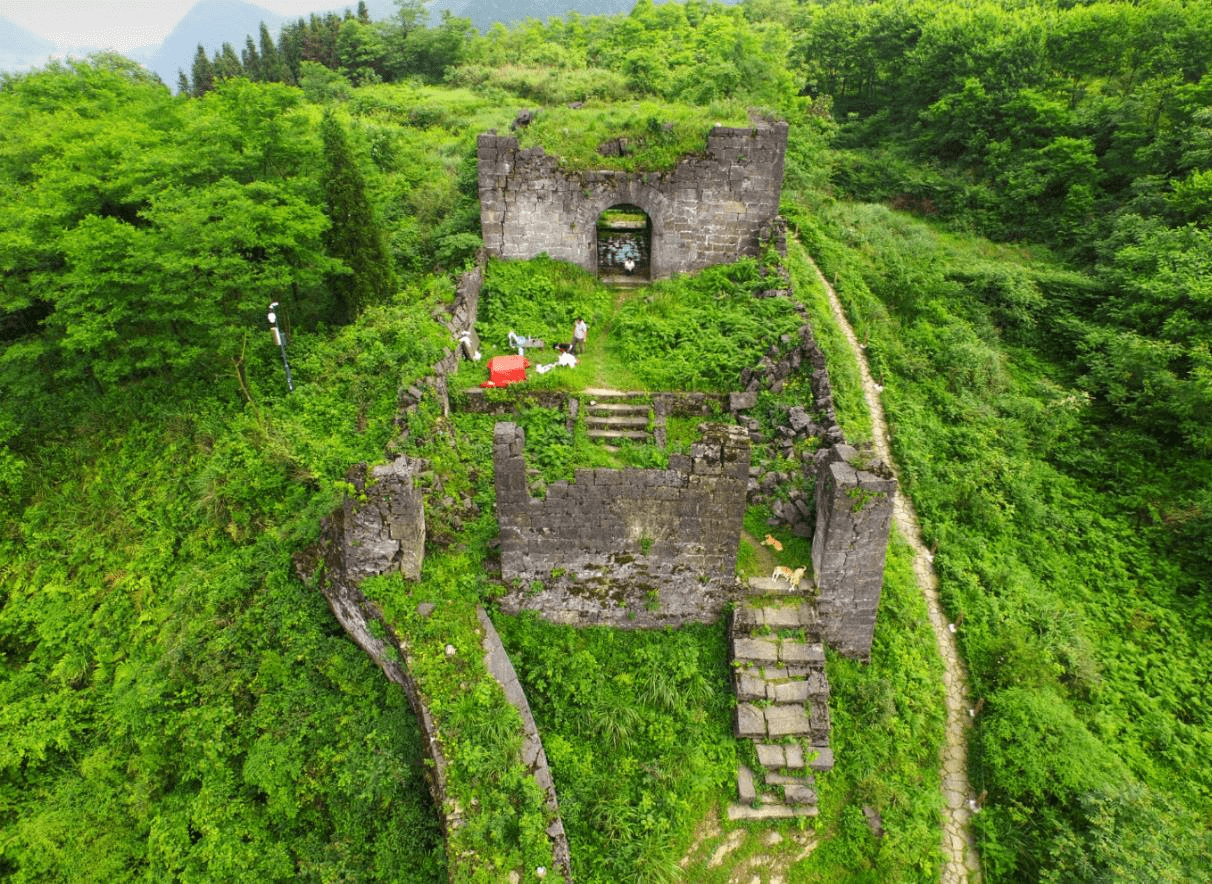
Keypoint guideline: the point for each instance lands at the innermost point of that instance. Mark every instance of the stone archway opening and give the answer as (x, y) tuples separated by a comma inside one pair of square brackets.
[(624, 245)]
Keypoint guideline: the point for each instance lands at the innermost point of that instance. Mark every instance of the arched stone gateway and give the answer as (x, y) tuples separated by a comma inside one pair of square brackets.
[(624, 244), (708, 210)]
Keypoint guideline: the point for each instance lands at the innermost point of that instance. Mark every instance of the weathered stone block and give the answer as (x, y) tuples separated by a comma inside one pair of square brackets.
[(771, 755), (786, 721), (746, 793), (749, 721)]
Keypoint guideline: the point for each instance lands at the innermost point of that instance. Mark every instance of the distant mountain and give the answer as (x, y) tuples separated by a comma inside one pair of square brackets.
[(21, 49), (211, 23), (484, 12)]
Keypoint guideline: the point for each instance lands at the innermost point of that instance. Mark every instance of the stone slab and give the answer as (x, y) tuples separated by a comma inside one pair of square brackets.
[(755, 649), (749, 687), (772, 756), (766, 586), (823, 760), (746, 793), (770, 812), (801, 652), (788, 692), (786, 721), (785, 617), (799, 794), (749, 721)]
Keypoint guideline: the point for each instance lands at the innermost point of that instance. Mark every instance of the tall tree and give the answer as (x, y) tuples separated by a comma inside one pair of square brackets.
[(227, 63), (354, 237), (203, 74), (273, 69), (251, 61)]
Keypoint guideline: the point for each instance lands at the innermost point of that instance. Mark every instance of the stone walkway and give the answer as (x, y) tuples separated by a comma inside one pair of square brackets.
[(782, 700), (961, 862)]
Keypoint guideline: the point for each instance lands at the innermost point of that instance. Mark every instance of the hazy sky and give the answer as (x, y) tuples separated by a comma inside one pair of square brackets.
[(122, 25)]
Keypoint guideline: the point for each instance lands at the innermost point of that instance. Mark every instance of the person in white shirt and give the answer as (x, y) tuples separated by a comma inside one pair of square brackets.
[(580, 331)]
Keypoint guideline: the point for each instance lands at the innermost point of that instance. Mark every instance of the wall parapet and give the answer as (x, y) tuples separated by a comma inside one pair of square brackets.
[(854, 499), (712, 208), (632, 547)]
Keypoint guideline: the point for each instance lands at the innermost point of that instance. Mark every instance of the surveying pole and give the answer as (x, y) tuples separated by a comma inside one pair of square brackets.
[(280, 340)]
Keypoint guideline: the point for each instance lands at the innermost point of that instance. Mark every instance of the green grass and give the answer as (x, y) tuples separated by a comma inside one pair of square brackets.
[(1065, 601), (637, 729), (658, 134)]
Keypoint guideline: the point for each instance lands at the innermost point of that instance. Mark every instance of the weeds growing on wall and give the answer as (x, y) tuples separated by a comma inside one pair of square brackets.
[(656, 134), (480, 734)]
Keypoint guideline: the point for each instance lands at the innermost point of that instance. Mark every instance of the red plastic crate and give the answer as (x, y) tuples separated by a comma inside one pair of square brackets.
[(506, 370)]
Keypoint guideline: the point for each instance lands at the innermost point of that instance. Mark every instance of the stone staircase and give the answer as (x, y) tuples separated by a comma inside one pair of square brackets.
[(782, 700), (612, 415)]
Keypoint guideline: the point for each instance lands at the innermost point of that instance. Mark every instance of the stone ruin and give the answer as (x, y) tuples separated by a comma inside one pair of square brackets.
[(626, 547), (854, 498), (647, 547), (711, 209)]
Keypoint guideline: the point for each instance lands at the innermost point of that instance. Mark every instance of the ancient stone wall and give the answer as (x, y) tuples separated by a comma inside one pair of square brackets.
[(461, 325), (710, 209), (854, 500), (363, 539), (624, 547)]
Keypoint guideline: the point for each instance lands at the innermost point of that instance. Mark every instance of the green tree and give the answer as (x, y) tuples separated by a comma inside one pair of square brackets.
[(203, 74), (273, 67), (355, 237), (251, 61), (227, 64)]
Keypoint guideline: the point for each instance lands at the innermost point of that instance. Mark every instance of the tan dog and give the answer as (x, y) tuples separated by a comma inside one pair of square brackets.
[(772, 543), (793, 578)]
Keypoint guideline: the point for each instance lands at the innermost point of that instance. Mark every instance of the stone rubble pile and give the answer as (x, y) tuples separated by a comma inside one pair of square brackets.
[(789, 491)]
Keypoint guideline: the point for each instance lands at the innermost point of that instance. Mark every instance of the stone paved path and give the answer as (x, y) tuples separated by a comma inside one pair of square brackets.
[(961, 862)]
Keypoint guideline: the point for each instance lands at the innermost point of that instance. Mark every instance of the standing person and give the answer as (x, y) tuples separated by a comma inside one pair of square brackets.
[(580, 331)]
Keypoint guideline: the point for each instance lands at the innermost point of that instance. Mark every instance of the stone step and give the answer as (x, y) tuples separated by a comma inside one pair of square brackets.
[(768, 586), (619, 434), (770, 811), (791, 614), (597, 394), (620, 404), (799, 794), (622, 411), (793, 756), (795, 790), (750, 685), (772, 722), (619, 422), (771, 650)]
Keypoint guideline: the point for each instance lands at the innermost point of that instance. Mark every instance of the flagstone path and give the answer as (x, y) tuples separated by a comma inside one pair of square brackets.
[(961, 863)]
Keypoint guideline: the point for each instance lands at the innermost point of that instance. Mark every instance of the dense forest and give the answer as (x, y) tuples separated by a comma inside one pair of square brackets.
[(1013, 201)]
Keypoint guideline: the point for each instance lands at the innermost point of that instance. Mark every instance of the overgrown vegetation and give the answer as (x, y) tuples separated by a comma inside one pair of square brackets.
[(1060, 591), (647, 135), (637, 729), (177, 705)]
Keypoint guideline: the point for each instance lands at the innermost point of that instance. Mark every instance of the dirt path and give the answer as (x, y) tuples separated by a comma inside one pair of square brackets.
[(961, 862)]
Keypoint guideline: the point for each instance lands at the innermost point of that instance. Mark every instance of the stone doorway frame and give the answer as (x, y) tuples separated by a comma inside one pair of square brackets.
[(646, 231)]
